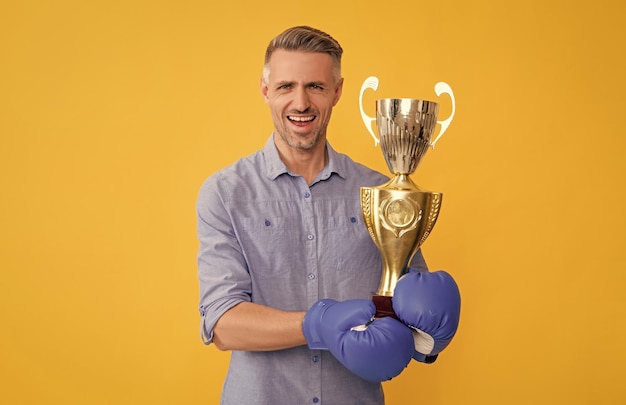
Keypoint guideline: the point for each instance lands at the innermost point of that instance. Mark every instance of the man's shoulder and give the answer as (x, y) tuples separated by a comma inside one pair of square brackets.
[(242, 171), (358, 170), (241, 166)]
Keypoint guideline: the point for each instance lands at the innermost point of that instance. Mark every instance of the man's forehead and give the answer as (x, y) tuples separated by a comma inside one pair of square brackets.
[(317, 66)]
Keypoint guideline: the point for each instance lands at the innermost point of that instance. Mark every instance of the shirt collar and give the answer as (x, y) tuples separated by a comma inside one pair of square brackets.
[(275, 167)]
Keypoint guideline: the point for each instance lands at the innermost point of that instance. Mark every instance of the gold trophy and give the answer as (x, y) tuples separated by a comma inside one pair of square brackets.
[(400, 215)]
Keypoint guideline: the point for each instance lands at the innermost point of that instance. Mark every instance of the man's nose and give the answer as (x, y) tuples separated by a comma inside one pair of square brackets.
[(301, 100)]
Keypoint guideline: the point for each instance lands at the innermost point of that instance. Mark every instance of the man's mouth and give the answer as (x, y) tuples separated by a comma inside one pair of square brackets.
[(301, 118)]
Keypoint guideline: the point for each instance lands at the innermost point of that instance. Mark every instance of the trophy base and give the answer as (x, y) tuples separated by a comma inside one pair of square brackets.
[(383, 306)]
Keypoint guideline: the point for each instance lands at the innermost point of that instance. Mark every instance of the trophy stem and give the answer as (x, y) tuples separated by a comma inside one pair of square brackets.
[(383, 306)]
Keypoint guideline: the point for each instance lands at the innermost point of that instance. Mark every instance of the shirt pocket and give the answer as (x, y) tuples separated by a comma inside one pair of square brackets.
[(353, 248), (351, 265), (271, 245)]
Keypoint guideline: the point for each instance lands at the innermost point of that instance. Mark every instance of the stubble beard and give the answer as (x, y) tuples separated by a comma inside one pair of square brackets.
[(302, 142)]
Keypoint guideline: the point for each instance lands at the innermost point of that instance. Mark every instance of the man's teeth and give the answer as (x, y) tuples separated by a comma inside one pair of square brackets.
[(301, 119)]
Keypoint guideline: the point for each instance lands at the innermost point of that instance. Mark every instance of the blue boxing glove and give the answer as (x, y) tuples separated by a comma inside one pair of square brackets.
[(375, 350), (430, 304)]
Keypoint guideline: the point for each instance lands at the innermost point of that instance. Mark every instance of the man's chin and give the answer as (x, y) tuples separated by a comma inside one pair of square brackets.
[(301, 141)]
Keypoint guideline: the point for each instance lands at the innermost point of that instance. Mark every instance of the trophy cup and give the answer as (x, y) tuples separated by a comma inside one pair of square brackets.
[(399, 215)]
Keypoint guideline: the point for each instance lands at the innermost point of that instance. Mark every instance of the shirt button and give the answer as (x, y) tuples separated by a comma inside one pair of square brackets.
[(352, 219), (307, 194), (315, 359), (311, 276), (310, 237), (316, 400)]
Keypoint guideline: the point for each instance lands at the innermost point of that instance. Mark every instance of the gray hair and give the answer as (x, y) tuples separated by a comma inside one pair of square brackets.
[(306, 39)]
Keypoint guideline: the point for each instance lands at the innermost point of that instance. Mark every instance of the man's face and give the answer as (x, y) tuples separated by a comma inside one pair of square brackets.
[(301, 93)]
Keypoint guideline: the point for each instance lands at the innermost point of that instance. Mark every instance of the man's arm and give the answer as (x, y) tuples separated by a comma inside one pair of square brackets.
[(253, 327)]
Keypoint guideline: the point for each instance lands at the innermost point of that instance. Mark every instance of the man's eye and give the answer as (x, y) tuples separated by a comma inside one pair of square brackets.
[(317, 87), (284, 87)]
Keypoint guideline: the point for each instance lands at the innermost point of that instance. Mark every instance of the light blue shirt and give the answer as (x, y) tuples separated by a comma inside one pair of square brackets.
[(266, 236)]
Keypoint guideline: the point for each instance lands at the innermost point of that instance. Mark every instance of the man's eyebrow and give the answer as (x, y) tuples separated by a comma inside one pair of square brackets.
[(292, 82), (284, 82)]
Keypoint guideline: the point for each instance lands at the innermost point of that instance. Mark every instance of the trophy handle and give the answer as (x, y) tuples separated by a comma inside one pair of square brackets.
[(440, 88), (369, 83)]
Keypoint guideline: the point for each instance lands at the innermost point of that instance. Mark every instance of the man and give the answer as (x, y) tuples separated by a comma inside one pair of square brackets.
[(286, 265)]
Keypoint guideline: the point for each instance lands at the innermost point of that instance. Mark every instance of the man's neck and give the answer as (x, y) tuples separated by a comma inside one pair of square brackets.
[(307, 164)]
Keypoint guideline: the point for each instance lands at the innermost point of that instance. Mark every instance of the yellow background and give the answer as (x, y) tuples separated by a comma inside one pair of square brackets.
[(112, 113)]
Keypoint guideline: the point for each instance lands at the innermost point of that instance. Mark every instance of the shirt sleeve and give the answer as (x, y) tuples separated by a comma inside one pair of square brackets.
[(222, 269), (418, 263)]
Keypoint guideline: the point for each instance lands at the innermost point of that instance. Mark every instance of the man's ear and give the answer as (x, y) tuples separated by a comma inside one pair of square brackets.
[(264, 89), (338, 90)]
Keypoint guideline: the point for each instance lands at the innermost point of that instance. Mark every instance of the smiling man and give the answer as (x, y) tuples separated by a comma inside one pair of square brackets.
[(286, 265), (301, 89)]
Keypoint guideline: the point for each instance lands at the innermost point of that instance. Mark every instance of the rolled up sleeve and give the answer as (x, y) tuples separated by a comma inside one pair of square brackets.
[(222, 269)]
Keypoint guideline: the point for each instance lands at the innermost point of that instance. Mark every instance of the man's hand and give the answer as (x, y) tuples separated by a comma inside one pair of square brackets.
[(430, 304), (374, 349)]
